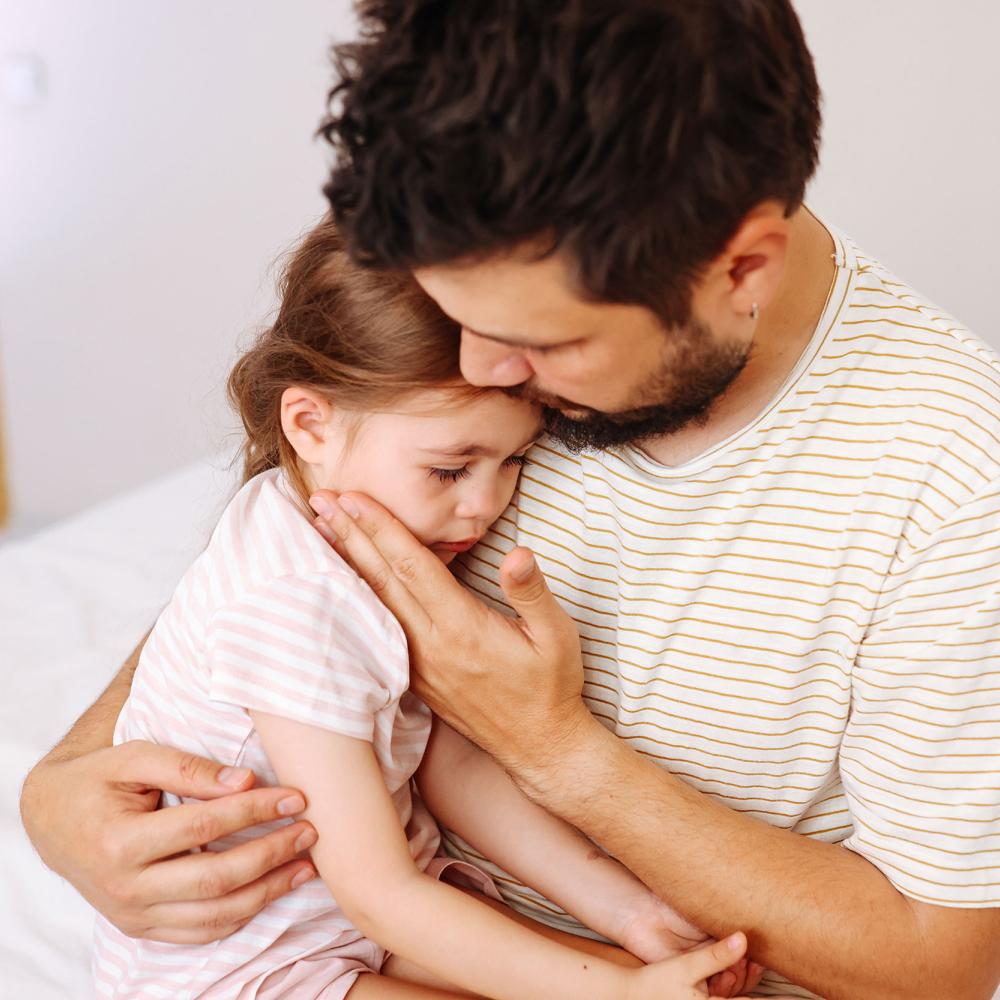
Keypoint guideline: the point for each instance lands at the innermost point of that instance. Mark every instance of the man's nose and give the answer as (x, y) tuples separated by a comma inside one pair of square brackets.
[(486, 362)]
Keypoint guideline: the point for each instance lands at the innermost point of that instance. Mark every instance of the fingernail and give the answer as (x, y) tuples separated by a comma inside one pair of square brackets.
[(349, 507), (735, 941), (522, 574), (321, 505), (305, 840), (306, 875), (233, 776), (325, 530), (290, 805)]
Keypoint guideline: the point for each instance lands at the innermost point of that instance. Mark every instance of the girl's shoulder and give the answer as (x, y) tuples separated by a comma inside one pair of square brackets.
[(265, 541)]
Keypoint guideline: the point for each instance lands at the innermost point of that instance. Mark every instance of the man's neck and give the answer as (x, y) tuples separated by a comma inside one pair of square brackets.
[(784, 331)]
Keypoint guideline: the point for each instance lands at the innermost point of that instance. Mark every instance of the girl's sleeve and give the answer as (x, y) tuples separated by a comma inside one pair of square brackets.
[(319, 649)]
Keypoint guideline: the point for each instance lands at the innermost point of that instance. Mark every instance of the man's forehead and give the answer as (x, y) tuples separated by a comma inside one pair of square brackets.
[(522, 304)]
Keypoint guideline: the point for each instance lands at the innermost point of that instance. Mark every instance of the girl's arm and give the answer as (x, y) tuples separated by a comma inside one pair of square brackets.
[(467, 791), (363, 856)]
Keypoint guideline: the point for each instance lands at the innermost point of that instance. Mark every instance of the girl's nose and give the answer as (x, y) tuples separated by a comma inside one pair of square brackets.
[(485, 362), (477, 503)]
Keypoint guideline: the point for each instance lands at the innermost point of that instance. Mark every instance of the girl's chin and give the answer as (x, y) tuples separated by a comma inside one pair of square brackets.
[(446, 557)]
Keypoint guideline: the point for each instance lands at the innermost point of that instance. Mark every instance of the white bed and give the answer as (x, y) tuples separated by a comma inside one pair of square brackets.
[(74, 599)]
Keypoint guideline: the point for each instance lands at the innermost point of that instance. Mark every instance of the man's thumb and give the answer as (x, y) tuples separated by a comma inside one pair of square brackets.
[(523, 584)]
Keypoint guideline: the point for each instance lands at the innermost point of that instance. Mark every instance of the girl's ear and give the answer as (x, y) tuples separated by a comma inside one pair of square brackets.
[(306, 419)]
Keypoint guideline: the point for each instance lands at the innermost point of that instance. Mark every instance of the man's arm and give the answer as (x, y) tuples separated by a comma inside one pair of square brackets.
[(95, 728), (90, 811), (818, 913)]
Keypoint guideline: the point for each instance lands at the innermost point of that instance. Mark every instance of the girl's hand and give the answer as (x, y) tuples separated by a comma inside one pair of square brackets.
[(686, 976)]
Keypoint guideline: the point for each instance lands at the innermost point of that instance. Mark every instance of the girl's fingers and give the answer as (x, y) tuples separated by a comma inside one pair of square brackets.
[(705, 962), (723, 984)]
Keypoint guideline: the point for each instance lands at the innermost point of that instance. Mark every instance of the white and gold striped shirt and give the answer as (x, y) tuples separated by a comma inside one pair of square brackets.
[(804, 622)]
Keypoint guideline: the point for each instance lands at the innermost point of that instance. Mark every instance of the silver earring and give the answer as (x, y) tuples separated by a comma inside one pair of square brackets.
[(754, 311)]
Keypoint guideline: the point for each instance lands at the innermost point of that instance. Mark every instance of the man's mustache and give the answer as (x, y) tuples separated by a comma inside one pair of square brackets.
[(557, 407), (532, 394)]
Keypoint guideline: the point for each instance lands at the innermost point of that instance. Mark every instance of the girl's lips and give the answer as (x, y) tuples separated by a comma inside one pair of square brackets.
[(456, 546)]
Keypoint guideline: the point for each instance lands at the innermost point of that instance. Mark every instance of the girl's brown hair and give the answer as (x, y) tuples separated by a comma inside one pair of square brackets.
[(359, 337)]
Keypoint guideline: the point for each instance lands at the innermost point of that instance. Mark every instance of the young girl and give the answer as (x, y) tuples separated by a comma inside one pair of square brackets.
[(274, 655)]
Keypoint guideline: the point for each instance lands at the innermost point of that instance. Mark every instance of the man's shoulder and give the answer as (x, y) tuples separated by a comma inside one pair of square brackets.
[(888, 319), (898, 351)]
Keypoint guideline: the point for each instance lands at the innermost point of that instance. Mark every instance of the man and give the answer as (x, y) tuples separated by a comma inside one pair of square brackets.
[(771, 514)]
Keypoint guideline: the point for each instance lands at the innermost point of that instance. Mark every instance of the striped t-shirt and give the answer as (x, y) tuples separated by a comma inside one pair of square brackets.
[(269, 617), (804, 621)]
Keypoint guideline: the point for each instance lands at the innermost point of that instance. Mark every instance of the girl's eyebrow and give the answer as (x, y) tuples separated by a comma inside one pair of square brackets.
[(462, 451), (473, 450)]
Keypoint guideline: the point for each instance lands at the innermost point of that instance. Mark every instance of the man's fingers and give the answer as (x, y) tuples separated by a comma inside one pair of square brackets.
[(205, 921), (147, 765), (391, 561), (213, 874), (193, 824), (703, 963)]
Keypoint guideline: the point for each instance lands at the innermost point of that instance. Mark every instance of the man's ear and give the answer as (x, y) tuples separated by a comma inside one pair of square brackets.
[(306, 421), (748, 272)]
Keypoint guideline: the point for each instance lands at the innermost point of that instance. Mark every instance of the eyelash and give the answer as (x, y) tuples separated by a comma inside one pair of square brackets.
[(453, 475)]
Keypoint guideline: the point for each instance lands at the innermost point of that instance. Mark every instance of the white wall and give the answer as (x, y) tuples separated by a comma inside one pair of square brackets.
[(141, 204), (143, 200), (911, 146)]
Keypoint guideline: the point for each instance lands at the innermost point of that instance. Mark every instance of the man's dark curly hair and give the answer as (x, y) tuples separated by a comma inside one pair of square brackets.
[(633, 135)]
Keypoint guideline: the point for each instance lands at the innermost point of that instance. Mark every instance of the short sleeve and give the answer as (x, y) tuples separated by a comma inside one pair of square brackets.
[(920, 760), (317, 648)]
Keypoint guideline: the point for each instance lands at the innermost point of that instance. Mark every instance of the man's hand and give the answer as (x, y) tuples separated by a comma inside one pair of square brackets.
[(93, 819), (512, 685)]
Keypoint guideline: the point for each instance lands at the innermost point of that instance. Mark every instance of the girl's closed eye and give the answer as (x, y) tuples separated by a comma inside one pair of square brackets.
[(454, 475), (449, 475)]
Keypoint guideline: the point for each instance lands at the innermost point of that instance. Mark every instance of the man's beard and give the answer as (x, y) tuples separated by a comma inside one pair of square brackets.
[(678, 393)]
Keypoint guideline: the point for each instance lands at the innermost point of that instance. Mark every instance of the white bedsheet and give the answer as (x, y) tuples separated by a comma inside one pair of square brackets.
[(74, 599)]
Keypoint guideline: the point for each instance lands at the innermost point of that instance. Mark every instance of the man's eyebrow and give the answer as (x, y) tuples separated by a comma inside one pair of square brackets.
[(510, 341)]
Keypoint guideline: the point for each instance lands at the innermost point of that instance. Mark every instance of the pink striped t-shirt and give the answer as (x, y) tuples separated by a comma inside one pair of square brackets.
[(269, 617)]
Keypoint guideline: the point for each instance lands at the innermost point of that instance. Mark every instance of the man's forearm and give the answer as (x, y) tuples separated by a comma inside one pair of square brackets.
[(816, 912), (95, 728)]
